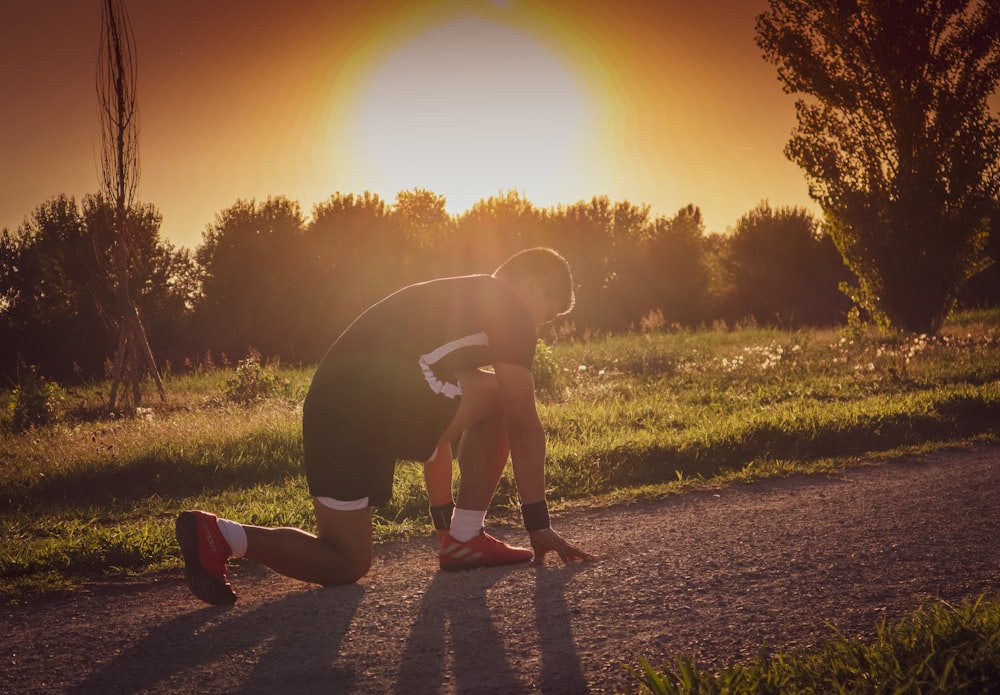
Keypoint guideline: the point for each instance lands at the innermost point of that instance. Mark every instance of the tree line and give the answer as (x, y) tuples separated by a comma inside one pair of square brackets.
[(266, 276)]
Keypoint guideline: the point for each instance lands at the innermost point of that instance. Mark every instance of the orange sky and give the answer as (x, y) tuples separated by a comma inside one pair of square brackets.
[(664, 102)]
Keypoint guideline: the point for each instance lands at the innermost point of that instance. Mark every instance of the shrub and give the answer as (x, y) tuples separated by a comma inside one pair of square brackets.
[(253, 381), (550, 381), (34, 400)]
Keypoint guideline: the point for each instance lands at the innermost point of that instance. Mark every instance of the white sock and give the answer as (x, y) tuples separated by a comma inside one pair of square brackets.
[(467, 523), (235, 535)]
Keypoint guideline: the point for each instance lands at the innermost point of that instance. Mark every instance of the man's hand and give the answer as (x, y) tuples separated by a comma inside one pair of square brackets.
[(546, 540)]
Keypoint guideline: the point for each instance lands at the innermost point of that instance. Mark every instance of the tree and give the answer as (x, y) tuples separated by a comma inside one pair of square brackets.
[(605, 243), (163, 281), (254, 278), (422, 230), (347, 241), (582, 233), (983, 290), (897, 142), (493, 229), (119, 119), (46, 264), (626, 290), (54, 292), (784, 269), (679, 279)]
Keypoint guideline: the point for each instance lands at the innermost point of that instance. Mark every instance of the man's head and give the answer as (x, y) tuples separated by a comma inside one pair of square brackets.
[(543, 279)]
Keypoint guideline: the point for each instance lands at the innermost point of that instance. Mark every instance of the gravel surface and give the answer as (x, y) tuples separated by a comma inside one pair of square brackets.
[(715, 573)]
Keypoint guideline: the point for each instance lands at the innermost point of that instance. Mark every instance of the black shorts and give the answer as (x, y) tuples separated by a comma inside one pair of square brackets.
[(363, 413)]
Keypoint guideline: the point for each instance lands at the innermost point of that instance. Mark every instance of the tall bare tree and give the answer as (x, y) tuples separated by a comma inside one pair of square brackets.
[(119, 119)]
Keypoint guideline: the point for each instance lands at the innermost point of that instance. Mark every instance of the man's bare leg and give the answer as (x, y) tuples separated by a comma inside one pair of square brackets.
[(340, 554), (437, 476), (482, 455), (484, 450)]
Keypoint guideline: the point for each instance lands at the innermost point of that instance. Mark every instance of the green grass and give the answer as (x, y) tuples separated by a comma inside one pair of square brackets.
[(938, 649), (631, 416), (87, 496)]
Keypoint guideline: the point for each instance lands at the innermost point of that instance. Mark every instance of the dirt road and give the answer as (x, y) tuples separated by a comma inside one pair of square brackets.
[(713, 573)]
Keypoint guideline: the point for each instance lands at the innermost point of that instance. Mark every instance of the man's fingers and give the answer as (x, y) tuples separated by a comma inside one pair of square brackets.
[(543, 543), (569, 555), (572, 554)]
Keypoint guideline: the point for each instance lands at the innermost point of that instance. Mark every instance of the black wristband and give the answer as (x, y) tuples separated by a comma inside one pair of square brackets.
[(441, 516), (535, 515)]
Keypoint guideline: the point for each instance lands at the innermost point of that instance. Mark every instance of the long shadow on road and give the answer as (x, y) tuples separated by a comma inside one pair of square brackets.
[(456, 636), (453, 633), (297, 637)]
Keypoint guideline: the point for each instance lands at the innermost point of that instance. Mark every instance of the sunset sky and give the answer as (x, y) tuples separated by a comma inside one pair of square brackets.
[(662, 102)]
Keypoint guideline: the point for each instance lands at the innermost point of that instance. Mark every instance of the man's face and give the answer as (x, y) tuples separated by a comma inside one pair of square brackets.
[(553, 310), (544, 308)]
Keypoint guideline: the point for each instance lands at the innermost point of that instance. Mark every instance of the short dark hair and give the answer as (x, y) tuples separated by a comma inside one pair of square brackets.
[(543, 264)]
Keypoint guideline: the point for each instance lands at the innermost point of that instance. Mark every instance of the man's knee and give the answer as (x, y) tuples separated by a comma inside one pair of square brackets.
[(342, 570), (347, 536)]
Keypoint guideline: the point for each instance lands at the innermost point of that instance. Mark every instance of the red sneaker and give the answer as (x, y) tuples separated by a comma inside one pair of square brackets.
[(205, 554), (482, 551)]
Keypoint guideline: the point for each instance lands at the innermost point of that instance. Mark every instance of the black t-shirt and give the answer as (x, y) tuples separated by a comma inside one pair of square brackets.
[(445, 326)]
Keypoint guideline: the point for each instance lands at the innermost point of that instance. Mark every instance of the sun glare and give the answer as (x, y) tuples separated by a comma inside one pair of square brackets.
[(469, 108)]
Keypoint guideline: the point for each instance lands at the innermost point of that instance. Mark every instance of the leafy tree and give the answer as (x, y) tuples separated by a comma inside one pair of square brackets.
[(721, 285), (492, 230), (155, 263), (164, 282), (784, 269), (346, 242), (983, 289), (584, 234), (423, 231), (54, 292), (422, 217), (897, 140), (41, 263), (46, 298), (252, 278), (626, 291), (346, 229), (678, 279)]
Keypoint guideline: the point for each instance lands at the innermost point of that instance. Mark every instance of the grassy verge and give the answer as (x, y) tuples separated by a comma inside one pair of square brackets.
[(938, 649), (86, 496)]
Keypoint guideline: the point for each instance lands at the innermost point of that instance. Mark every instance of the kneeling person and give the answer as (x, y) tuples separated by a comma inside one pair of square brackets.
[(404, 380)]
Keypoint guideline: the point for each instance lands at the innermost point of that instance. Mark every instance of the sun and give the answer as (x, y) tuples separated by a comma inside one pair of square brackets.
[(468, 108)]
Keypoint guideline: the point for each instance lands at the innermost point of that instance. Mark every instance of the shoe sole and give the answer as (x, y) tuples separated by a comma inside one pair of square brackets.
[(202, 584), (462, 567)]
